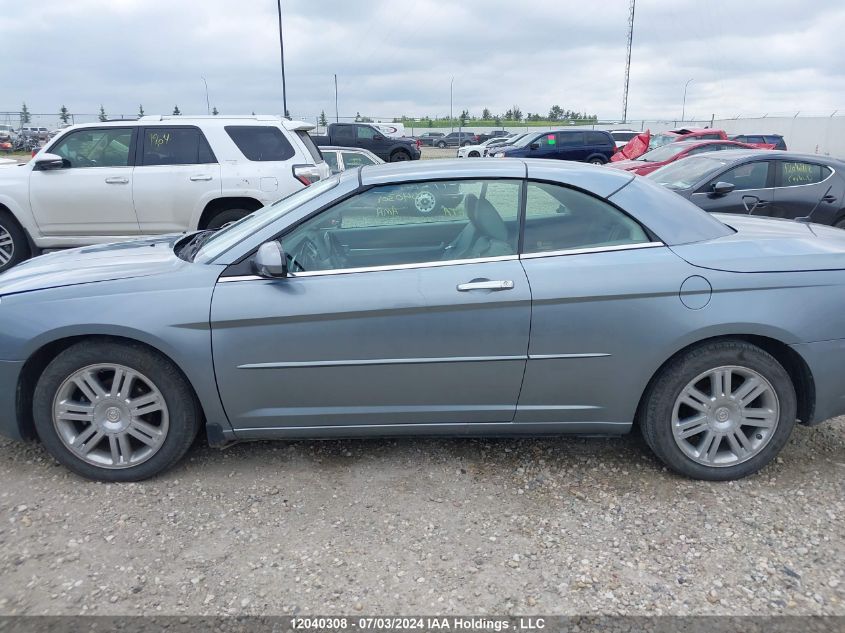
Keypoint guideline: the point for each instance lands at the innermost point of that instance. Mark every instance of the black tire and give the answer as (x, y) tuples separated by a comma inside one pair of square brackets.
[(441, 144), (474, 154), (659, 403), (597, 160), (183, 409), (19, 245), (226, 216), (399, 156)]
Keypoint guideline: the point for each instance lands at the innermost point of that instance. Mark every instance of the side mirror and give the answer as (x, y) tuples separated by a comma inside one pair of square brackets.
[(46, 162), (270, 261), (378, 137), (722, 188), (534, 146)]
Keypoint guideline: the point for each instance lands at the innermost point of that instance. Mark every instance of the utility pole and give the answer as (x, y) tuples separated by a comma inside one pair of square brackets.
[(628, 60), (336, 116), (451, 127), (684, 105), (207, 103), (282, 57)]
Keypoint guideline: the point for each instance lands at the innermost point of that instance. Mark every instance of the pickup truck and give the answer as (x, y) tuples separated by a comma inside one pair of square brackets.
[(370, 138)]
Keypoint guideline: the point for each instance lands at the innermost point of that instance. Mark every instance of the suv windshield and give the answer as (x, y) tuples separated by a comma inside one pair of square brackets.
[(685, 173), (226, 238)]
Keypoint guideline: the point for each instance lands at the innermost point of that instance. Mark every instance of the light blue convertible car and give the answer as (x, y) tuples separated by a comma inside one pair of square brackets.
[(537, 299)]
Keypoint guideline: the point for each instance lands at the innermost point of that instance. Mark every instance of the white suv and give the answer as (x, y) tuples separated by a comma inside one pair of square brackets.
[(106, 182)]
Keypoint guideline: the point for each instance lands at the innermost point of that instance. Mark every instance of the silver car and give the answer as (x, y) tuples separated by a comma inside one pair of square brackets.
[(542, 299)]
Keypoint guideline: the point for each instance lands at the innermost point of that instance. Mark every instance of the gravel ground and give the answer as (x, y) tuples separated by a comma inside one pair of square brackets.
[(452, 526)]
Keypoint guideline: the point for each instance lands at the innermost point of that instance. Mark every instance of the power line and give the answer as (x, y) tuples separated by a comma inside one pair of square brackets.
[(628, 60)]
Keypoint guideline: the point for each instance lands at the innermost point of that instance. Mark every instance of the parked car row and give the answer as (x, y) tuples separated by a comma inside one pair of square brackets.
[(367, 136)]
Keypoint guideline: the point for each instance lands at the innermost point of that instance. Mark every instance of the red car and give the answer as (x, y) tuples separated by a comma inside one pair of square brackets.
[(671, 152), (686, 134)]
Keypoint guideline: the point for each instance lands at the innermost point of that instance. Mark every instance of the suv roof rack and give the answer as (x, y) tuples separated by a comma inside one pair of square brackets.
[(176, 117)]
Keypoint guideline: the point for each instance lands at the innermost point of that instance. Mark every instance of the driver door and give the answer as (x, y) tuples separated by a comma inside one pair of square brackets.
[(92, 194), (386, 318)]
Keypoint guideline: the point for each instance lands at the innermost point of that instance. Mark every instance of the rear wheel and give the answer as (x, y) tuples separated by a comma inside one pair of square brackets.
[(720, 411), (596, 160), (442, 144), (114, 412), (14, 247), (226, 216)]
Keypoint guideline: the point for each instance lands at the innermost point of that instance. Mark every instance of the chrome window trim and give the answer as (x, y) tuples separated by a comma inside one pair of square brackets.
[(388, 267), (595, 249)]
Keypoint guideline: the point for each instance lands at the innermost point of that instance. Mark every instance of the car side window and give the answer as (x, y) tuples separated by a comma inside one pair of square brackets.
[(558, 219), (597, 138), (95, 148), (794, 173), (410, 223), (752, 175), (546, 141), (331, 160), (344, 133), (353, 159), (570, 139), (175, 146), (366, 132), (261, 142)]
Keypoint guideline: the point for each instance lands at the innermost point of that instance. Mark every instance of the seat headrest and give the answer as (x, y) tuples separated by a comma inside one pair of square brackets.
[(488, 221)]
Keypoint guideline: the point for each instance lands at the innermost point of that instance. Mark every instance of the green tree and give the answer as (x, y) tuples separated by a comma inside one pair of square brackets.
[(516, 113), (555, 113), (464, 117), (140, 111), (176, 111), (509, 115), (486, 115), (497, 120), (214, 111), (323, 120), (26, 117), (430, 123), (103, 116), (64, 115)]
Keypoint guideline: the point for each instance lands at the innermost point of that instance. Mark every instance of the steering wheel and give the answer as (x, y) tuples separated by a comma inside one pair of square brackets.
[(315, 252)]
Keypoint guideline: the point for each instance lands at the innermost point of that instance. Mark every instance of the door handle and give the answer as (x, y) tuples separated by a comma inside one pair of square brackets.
[(201, 177), (505, 284), (117, 180), (761, 203), (829, 198)]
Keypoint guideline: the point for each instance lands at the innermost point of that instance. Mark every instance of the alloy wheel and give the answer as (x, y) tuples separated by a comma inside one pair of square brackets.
[(110, 416), (725, 416), (7, 246)]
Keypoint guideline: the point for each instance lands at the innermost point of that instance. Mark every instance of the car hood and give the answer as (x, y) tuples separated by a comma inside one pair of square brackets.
[(768, 245), (107, 262)]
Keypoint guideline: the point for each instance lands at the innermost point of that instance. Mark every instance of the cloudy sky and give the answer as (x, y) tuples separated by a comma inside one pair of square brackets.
[(395, 57)]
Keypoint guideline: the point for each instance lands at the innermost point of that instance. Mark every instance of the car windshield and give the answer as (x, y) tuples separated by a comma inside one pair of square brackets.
[(226, 238), (525, 140), (666, 152), (685, 173), (659, 140)]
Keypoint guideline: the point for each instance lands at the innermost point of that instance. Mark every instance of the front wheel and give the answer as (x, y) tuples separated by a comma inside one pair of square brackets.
[(474, 154), (114, 412), (721, 411), (397, 157), (441, 145)]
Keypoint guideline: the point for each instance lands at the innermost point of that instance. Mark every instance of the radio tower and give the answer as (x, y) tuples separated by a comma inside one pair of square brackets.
[(628, 60)]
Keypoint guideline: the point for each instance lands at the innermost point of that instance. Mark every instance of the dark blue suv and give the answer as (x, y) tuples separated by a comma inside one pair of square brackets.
[(587, 146)]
